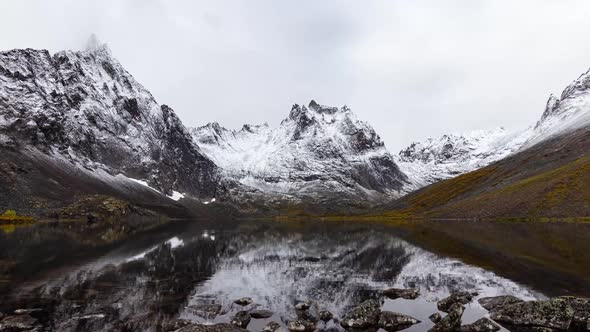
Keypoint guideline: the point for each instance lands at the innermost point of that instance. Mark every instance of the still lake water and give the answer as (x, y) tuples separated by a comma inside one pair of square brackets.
[(169, 272)]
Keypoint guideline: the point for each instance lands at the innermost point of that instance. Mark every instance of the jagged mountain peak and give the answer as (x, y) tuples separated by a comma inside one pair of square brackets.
[(84, 106), (316, 149)]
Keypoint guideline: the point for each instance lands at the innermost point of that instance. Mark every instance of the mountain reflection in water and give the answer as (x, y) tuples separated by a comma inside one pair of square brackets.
[(276, 264)]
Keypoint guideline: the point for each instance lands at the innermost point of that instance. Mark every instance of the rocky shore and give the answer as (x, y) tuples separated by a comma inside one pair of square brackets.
[(556, 314)]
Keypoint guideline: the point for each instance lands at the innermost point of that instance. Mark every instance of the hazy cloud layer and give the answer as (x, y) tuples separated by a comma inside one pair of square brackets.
[(410, 68)]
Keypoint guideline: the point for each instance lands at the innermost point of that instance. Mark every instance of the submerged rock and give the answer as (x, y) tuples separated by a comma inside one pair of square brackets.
[(392, 321), (272, 327), (211, 328), (173, 325), (363, 316), (241, 319), (450, 322), (407, 293), (435, 317), (301, 325), (18, 323), (496, 302), (259, 313), (325, 315), (481, 325), (303, 305), (244, 301), (558, 313), (204, 310), (458, 297)]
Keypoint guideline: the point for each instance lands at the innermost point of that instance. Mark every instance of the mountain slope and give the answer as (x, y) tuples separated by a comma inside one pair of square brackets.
[(318, 152), (546, 176), (437, 159), (84, 109)]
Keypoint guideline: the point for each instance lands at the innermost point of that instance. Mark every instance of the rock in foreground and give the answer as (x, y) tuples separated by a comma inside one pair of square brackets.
[(241, 319), (272, 327), (495, 302), (450, 322), (396, 293), (458, 297), (559, 313), (211, 328), (363, 316), (301, 325), (481, 325), (392, 321)]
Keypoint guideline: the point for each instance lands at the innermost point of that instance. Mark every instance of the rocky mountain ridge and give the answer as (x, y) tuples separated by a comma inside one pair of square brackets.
[(84, 109), (317, 151)]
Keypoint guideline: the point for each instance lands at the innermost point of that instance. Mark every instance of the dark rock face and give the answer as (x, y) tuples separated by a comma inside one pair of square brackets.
[(211, 328), (205, 310), (392, 321), (435, 317), (244, 301), (301, 325), (396, 293), (560, 313), (259, 313), (452, 321), (325, 315), (481, 325), (492, 303), (458, 297), (173, 325), (303, 305), (85, 107), (272, 327), (363, 316), (241, 319)]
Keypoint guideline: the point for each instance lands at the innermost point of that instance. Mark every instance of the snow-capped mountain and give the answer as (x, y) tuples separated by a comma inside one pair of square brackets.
[(316, 151), (436, 159), (83, 106)]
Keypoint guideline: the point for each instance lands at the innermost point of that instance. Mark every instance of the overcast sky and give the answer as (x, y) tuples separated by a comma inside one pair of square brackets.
[(412, 69)]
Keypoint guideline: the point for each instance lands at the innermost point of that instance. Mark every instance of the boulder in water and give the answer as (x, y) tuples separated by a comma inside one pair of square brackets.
[(392, 321)]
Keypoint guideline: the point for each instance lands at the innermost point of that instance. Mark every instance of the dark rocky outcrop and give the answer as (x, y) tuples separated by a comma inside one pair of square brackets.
[(241, 319), (480, 325), (260, 313), (393, 321), (404, 293), (325, 315), (272, 327), (492, 303), (561, 313), (212, 328), (244, 301), (452, 321), (206, 310), (435, 317), (301, 325), (363, 316), (457, 297), (173, 325)]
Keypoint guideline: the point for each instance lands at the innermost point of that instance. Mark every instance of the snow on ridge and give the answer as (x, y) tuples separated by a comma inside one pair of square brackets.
[(314, 147)]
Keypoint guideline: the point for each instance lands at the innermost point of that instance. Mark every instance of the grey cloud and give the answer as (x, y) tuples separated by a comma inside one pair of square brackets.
[(411, 69)]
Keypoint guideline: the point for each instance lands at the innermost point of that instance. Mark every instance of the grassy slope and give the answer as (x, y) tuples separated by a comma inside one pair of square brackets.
[(551, 179)]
